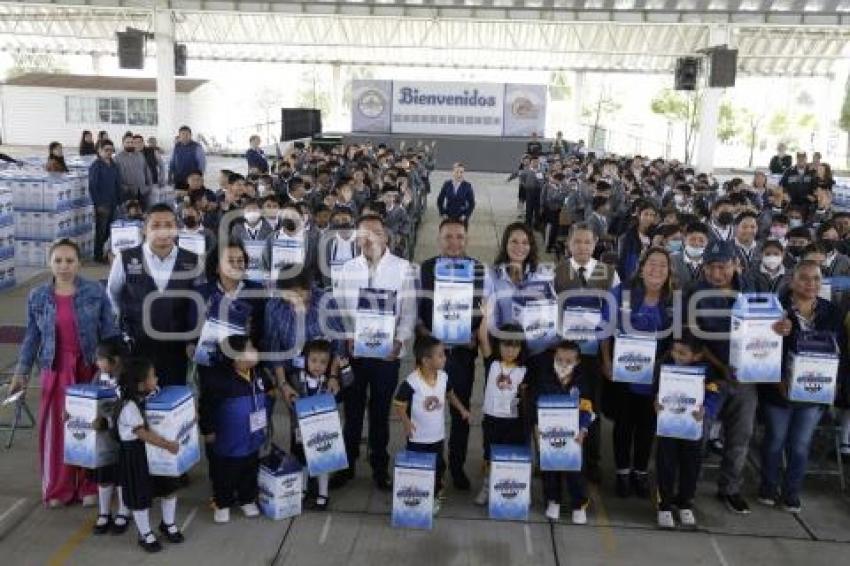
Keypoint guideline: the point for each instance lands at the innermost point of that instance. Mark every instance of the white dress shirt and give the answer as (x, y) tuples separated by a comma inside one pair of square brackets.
[(158, 268), (391, 273), (588, 270)]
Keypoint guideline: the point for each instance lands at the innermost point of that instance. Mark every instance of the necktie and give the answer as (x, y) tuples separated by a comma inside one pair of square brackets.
[(582, 279)]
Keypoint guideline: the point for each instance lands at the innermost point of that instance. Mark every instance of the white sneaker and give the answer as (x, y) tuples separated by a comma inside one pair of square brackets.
[(686, 517), (665, 520), (579, 516), (250, 510), (484, 495), (221, 516), (553, 511), (89, 500)]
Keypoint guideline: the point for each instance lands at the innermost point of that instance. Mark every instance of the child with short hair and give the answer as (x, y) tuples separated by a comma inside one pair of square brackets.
[(107, 358), (564, 376), (421, 402), (313, 379), (234, 418), (137, 383), (505, 376), (677, 460)]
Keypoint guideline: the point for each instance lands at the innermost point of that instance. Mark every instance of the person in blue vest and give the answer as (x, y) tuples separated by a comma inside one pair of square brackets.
[(257, 162), (233, 420), (157, 277), (456, 198), (186, 157)]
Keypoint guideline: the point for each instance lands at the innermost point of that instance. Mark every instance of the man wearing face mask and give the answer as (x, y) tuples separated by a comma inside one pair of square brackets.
[(722, 220), (460, 358), (254, 227), (290, 250), (773, 207), (336, 246), (687, 265), (193, 236), (769, 274), (798, 239)]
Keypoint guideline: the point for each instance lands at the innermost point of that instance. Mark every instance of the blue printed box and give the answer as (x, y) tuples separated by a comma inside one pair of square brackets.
[(374, 324), (582, 324), (681, 391), (453, 300), (813, 370), (755, 350), (279, 486), (321, 434), (634, 359), (535, 309), (413, 490), (85, 446), (171, 414), (510, 482), (558, 425)]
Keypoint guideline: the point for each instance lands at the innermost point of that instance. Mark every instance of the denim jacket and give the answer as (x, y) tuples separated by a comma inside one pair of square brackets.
[(95, 321)]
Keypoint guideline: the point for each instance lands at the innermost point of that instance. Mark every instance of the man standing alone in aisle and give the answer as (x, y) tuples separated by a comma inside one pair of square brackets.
[(456, 199), (105, 193), (135, 176), (186, 157)]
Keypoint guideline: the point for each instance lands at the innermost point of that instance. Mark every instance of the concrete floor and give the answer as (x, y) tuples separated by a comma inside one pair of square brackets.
[(357, 529)]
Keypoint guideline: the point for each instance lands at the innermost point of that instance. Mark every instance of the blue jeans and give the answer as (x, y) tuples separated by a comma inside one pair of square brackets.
[(788, 430)]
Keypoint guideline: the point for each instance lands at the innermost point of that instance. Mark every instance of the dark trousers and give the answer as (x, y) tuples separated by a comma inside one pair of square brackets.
[(460, 367), (433, 448), (502, 431), (103, 217), (677, 459), (169, 359), (553, 221), (554, 481), (532, 205), (591, 448), (380, 377), (634, 429), (234, 480)]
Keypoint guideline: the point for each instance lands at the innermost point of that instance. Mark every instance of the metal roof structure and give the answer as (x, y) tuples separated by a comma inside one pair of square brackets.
[(774, 37)]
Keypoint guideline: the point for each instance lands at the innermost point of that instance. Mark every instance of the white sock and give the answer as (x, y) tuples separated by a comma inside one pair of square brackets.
[(323, 485), (104, 498), (142, 521), (122, 507), (845, 427), (169, 510), (624, 472)]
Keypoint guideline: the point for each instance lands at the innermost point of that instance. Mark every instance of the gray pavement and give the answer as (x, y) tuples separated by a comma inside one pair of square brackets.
[(356, 531)]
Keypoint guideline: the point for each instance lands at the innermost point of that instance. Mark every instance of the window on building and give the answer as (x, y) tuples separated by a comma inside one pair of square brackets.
[(80, 110), (141, 112), (112, 110)]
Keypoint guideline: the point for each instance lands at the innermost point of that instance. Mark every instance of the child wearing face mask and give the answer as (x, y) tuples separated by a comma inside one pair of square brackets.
[(769, 275), (564, 376)]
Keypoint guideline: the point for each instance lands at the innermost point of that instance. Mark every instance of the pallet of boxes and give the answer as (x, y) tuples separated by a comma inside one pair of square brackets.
[(7, 240), (48, 206)]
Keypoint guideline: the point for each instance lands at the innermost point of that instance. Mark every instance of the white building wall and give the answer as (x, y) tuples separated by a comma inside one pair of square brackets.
[(36, 116)]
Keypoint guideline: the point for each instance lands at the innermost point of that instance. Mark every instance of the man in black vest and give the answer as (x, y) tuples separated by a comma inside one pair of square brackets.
[(157, 277), (460, 358)]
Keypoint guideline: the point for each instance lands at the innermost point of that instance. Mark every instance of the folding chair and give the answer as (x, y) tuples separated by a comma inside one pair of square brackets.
[(19, 411)]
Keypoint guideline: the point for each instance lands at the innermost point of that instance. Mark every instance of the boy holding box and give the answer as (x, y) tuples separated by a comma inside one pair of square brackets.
[(421, 401), (564, 376), (678, 460)]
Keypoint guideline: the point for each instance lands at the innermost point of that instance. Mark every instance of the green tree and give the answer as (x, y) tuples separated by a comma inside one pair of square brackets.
[(752, 122), (605, 106), (844, 118), (779, 125), (682, 108), (728, 125)]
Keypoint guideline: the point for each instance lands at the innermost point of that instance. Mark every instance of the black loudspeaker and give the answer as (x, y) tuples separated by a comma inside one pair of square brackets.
[(180, 59), (299, 123), (131, 50), (723, 66), (687, 71)]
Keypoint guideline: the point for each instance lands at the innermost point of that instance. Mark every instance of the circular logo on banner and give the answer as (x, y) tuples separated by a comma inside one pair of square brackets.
[(371, 103), (523, 107)]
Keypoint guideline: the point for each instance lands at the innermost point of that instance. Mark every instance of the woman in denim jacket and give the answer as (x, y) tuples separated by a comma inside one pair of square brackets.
[(66, 318)]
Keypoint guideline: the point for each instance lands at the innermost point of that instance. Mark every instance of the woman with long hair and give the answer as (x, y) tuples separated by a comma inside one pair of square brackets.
[(87, 146), (55, 159)]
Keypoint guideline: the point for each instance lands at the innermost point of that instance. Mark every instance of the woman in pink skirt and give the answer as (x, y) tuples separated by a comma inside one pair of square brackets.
[(66, 318)]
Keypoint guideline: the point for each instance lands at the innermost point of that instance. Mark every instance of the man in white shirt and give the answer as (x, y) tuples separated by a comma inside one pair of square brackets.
[(159, 268), (376, 268)]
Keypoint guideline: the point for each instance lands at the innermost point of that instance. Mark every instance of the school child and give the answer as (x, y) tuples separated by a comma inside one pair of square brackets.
[(314, 379), (107, 358), (678, 461), (138, 382), (501, 423), (421, 405), (233, 419), (564, 376)]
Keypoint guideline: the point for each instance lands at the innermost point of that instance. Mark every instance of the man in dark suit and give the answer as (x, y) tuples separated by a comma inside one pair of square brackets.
[(456, 199)]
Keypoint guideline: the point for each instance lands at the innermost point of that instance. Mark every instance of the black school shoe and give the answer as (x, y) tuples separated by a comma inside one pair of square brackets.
[(120, 529), (149, 543), (342, 477), (640, 484), (101, 528), (382, 482), (735, 503), (171, 533), (460, 481)]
